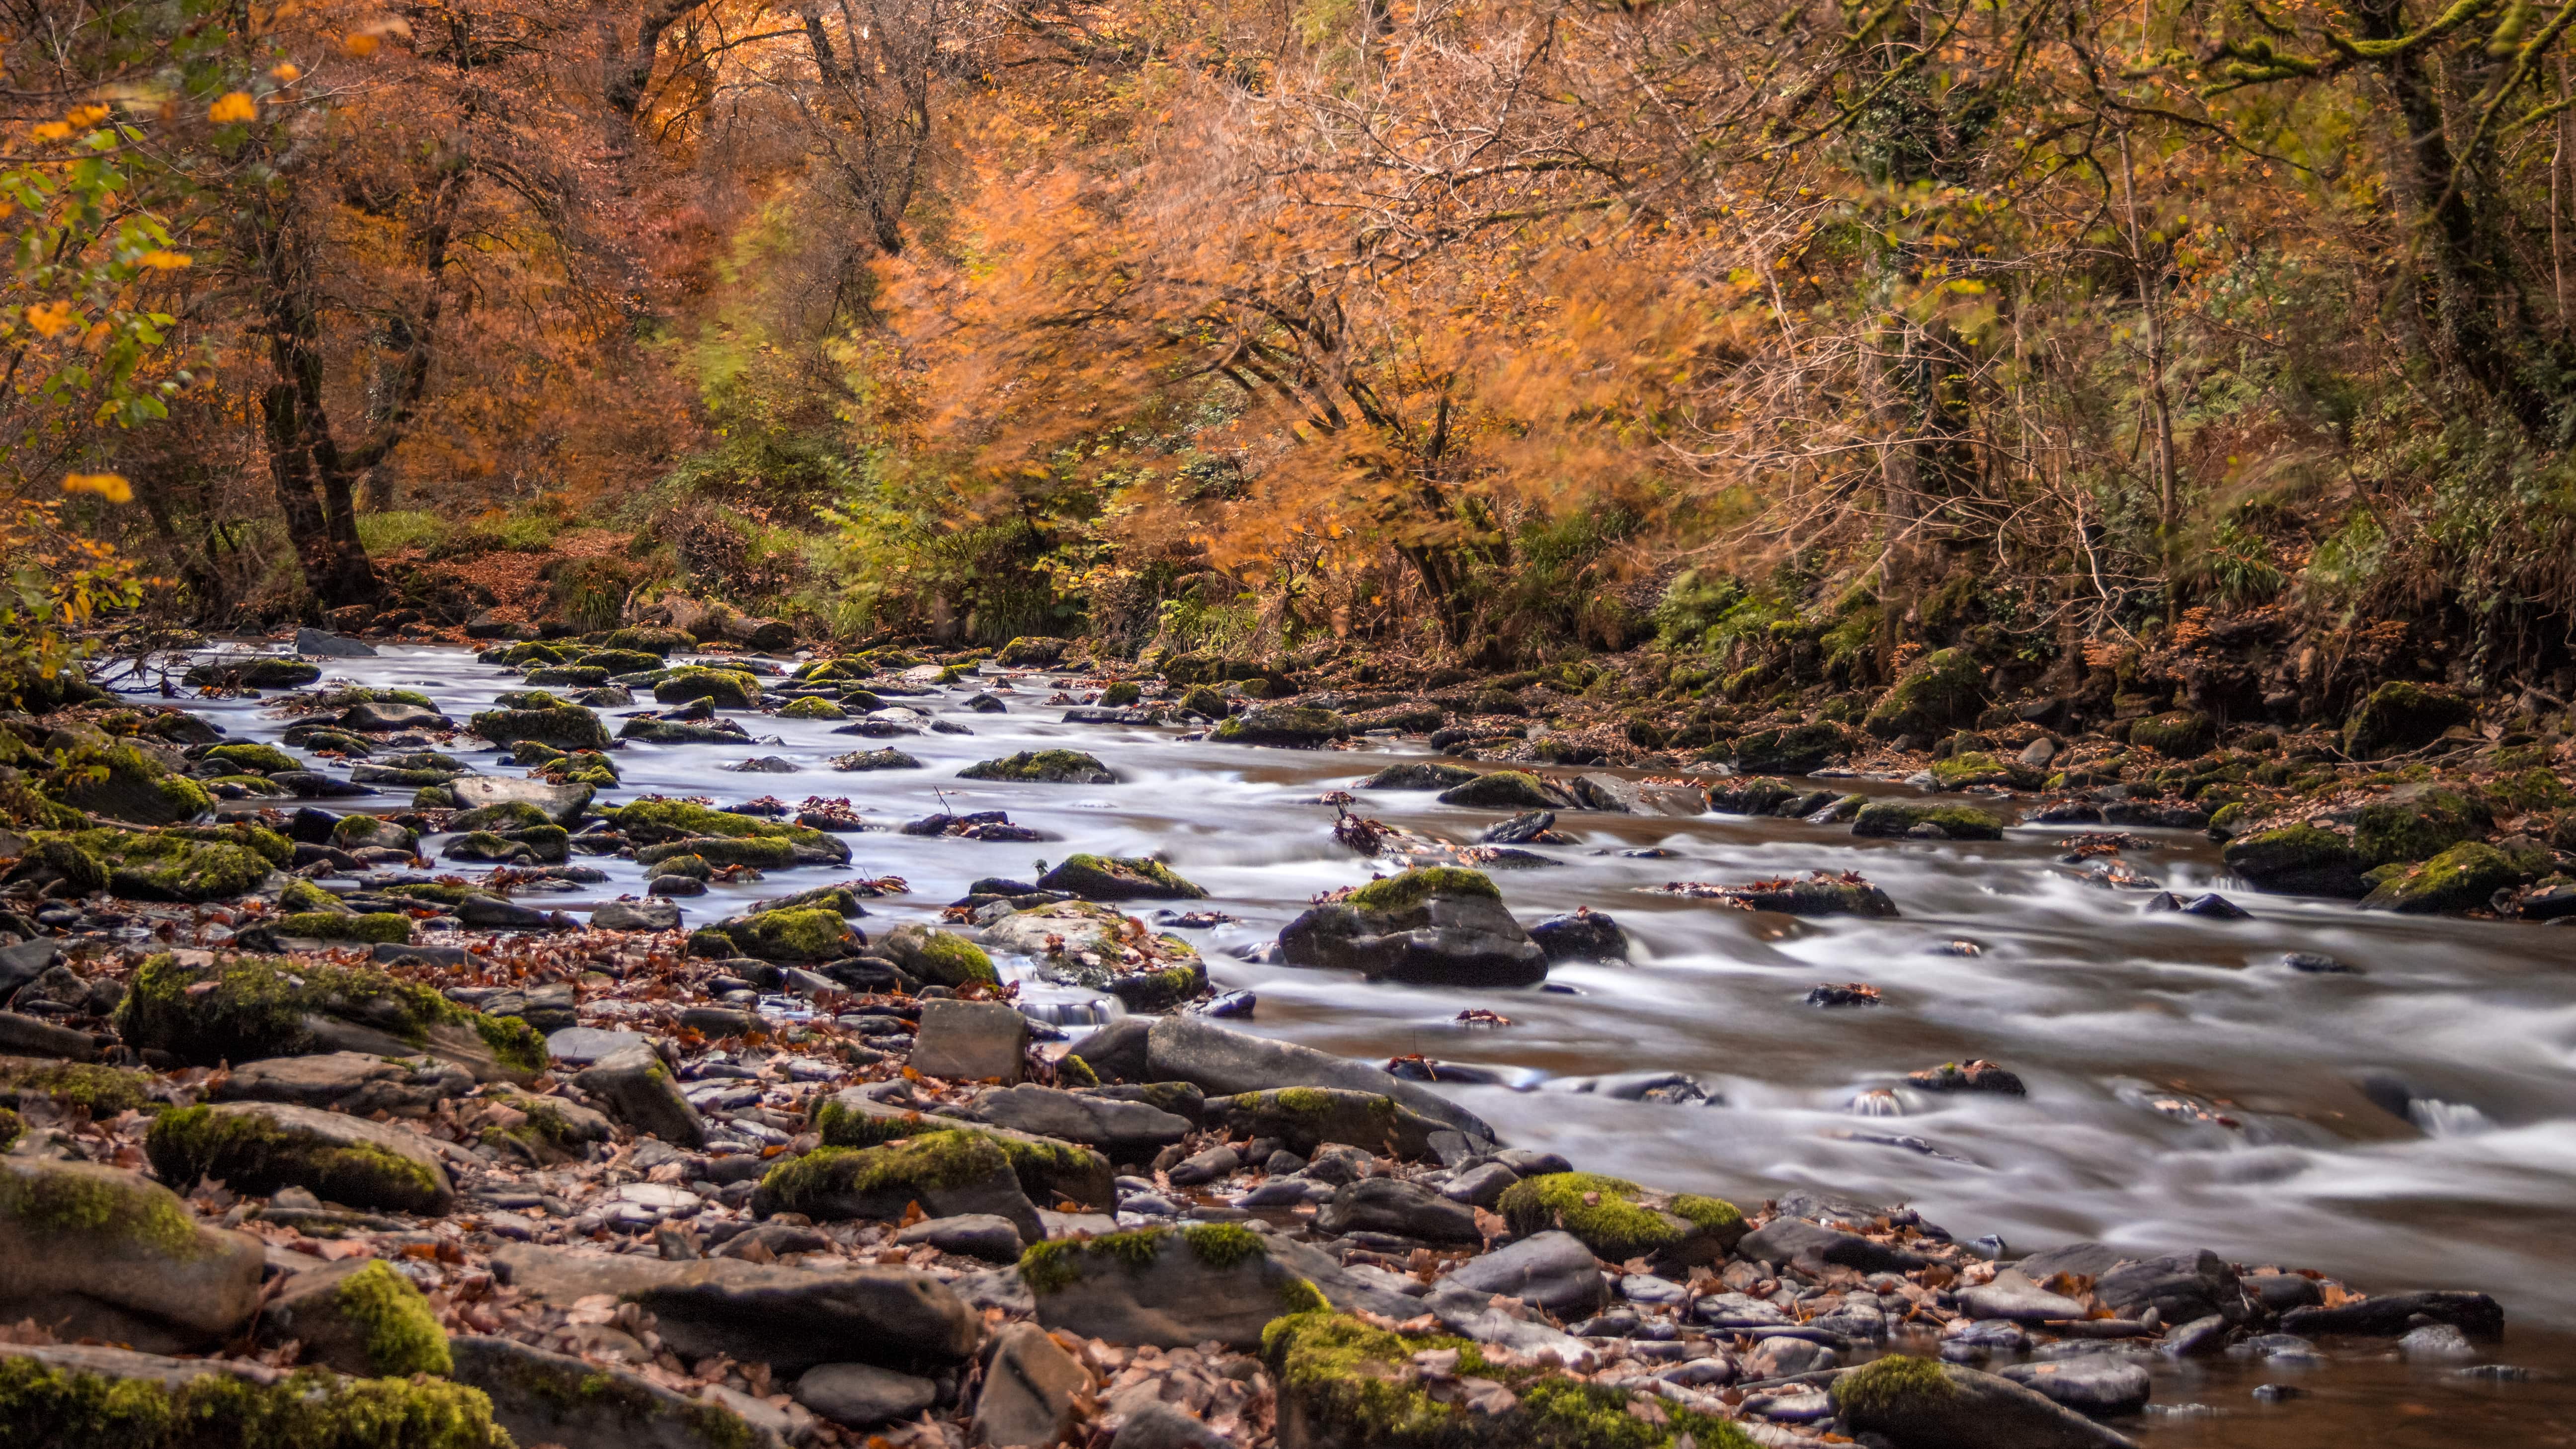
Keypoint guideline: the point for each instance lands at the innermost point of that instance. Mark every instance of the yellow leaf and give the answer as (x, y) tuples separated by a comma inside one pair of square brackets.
[(165, 261), (286, 72), (360, 45), (236, 106), (110, 486), (52, 319), (87, 116), (51, 131)]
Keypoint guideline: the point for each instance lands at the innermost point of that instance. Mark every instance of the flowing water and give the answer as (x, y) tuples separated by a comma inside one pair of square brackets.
[(2186, 1089)]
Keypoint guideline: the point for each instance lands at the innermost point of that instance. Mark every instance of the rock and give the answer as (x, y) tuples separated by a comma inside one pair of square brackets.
[(950, 1174), (552, 1398), (561, 804), (1418, 775), (2390, 1315), (1974, 1076), (1393, 1205), (645, 915), (2465, 877), (1086, 944), (370, 717), (317, 644), (1915, 1403), (2094, 1384), (579, 1046), (2400, 716), (2179, 1286), (81, 1396), (1126, 1131), (1778, 1357), (1048, 1169), (92, 1252), (971, 1041), (1797, 750), (2182, 734), (2300, 860), (862, 1396), (789, 1318), (2015, 1297), (1118, 878), (1170, 1287), (1117, 1052), (2417, 822), (1434, 925), (1051, 767), (22, 1035), (565, 727), (1618, 1219), (1551, 1270), (1481, 1186), (938, 957), (359, 1316), (1225, 1063), (260, 1148), (1938, 693), (1582, 934), (636, 1088), (351, 1082), (989, 1236), (1306, 1118), (247, 1008), (1507, 790), (1952, 822), (1287, 726), (1030, 1389), (1160, 1426), (1786, 1240)]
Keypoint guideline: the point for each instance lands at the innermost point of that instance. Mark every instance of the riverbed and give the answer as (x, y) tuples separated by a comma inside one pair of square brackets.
[(2186, 1088)]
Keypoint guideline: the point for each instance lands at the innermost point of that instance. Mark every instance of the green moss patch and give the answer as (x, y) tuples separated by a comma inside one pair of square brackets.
[(312, 1410), (388, 927), (1414, 888), (1054, 767), (178, 863), (403, 1336), (1605, 1212), (255, 1007), (78, 1200), (101, 1091), (252, 1153)]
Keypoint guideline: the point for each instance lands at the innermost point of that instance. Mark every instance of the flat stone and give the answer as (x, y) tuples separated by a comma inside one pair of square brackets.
[(562, 804), (645, 915), (579, 1046), (1551, 1270), (2094, 1384), (789, 1318), (862, 1396), (1030, 1389), (351, 1082), (971, 1041), (320, 644), (1783, 1240), (2015, 1297), (1125, 1131), (22, 1035), (1225, 1063), (1392, 1205), (990, 1236)]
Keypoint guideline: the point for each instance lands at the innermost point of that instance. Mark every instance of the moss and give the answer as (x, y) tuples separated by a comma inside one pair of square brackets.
[(728, 689), (1296, 1295), (1121, 694), (2419, 826), (1205, 702), (1940, 692), (1895, 818), (311, 1410), (1119, 877), (1891, 1386), (11, 1127), (1502, 790), (678, 819), (692, 865), (2533, 789), (928, 1163), (403, 1336), (952, 960), (1410, 890), (257, 1005), (1282, 725), (506, 815), (63, 1201), (2400, 716), (760, 854), (1612, 1223), (813, 706), (513, 1043), (1055, 1265), (389, 927), (1073, 1071), (1046, 1170), (1046, 766), (2462, 878), (122, 784), (433, 797), (1224, 1245), (568, 727), (254, 759), (251, 1153), (101, 1091)]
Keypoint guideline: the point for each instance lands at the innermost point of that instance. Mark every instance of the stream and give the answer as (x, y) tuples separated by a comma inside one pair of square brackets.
[(2186, 1088)]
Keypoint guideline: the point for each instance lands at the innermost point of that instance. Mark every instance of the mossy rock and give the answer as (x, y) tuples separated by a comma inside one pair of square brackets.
[(135, 1404), (2400, 716), (254, 759), (947, 1173), (805, 934), (569, 727), (2462, 878), (527, 652), (361, 1317), (265, 1147), (2417, 822), (121, 783), (812, 706), (1029, 652), (180, 863), (671, 820), (2304, 860), (1619, 1220), (938, 957), (1049, 1171), (1342, 1381), (1506, 790), (656, 642), (506, 815), (620, 661), (728, 689), (570, 676), (824, 671), (1977, 767), (1308, 1117), (1118, 878), (1899, 818), (2532, 789), (1413, 889), (529, 699), (1920, 1403), (758, 853), (1796, 750), (1941, 692), (256, 1007), (1206, 702), (1121, 693), (888, 758), (1048, 767), (1169, 1287), (103, 1092), (1419, 775), (268, 673), (1432, 925), (2182, 734), (384, 927), (1284, 726)]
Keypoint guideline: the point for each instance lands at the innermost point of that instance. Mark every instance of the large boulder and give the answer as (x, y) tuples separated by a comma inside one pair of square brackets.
[(1938, 693), (251, 1007), (1306, 1118), (2462, 878), (93, 1252), (1917, 1403), (1284, 725), (565, 727), (2417, 822), (1169, 1287), (1508, 790), (1931, 822), (2400, 716), (658, 821), (1795, 750), (265, 1147), (1049, 767), (123, 782), (788, 1318), (180, 863), (1434, 925), (1224, 1063), (727, 689)]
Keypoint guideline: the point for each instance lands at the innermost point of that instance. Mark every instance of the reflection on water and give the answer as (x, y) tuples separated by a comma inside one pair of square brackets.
[(2409, 1125)]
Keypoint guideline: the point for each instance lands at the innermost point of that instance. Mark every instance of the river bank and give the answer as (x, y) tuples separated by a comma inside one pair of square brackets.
[(2184, 1086)]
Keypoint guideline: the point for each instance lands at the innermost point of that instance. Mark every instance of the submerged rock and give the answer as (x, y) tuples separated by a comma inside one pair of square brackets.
[(1437, 925), (1050, 767)]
